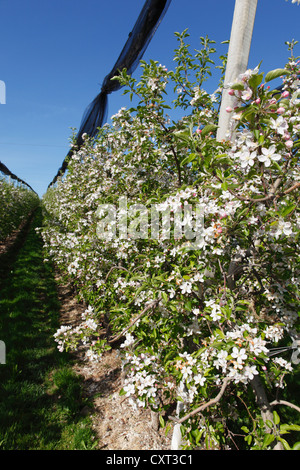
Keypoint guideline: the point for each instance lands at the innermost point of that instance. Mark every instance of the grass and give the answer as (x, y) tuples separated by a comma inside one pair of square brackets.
[(41, 397)]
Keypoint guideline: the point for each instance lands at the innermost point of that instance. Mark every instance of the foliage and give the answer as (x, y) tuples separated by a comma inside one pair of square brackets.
[(200, 319), (16, 203)]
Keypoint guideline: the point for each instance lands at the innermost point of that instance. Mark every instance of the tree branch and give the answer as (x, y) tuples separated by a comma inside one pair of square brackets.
[(115, 267), (150, 306), (269, 196), (297, 185), (211, 402), (286, 403)]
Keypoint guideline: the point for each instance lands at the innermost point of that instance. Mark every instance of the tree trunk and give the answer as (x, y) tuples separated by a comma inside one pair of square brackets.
[(264, 405)]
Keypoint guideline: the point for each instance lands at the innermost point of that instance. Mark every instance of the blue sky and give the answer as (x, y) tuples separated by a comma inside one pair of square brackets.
[(56, 53)]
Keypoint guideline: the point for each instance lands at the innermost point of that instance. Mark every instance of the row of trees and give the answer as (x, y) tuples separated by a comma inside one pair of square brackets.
[(186, 249), (16, 204)]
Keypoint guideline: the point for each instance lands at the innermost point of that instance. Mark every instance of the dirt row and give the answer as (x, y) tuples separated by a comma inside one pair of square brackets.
[(117, 425)]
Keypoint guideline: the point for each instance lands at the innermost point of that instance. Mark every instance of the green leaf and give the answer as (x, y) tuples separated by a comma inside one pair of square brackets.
[(224, 185), (276, 417), (285, 443), (221, 334), (256, 134), (277, 166), (269, 423), (237, 86), (287, 209), (255, 81), (247, 113), (199, 435), (289, 427), (189, 158), (162, 421), (208, 128), (183, 135), (268, 439), (219, 174), (188, 305), (276, 73)]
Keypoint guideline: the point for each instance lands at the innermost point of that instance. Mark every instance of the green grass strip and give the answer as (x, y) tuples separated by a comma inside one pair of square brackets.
[(40, 395)]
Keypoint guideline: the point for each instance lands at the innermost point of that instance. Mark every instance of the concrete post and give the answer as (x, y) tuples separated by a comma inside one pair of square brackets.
[(238, 55)]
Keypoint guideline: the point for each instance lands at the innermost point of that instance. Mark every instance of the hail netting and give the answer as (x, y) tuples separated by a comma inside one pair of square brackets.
[(144, 29), (6, 171)]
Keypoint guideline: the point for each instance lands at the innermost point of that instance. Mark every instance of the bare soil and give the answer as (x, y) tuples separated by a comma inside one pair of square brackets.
[(116, 424)]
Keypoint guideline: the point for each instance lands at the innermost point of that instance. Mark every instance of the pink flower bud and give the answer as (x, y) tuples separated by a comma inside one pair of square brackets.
[(258, 101), (280, 110), (231, 92), (228, 109), (289, 144), (285, 94)]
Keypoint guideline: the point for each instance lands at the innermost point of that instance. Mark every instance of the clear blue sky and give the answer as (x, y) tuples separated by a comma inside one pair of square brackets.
[(56, 53)]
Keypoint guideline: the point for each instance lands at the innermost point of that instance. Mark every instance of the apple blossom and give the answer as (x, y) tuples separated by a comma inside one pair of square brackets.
[(269, 155)]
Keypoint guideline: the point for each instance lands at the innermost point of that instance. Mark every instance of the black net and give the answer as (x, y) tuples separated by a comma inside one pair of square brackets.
[(145, 27), (6, 171)]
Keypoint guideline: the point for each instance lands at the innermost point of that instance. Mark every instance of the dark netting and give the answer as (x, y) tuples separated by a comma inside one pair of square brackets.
[(6, 171), (95, 114)]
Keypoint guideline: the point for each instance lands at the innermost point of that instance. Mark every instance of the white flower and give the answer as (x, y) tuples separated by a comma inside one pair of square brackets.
[(90, 323), (257, 346), (239, 354), (129, 389), (186, 287), (252, 220), (92, 356), (283, 228), (128, 341), (250, 371), (221, 360), (283, 363), (216, 313), (247, 158), (280, 125), (153, 84), (198, 277), (246, 95), (274, 333), (172, 293), (199, 379), (269, 155), (295, 96)]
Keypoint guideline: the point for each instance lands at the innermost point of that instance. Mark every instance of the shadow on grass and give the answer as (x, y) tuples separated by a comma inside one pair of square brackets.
[(40, 395)]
